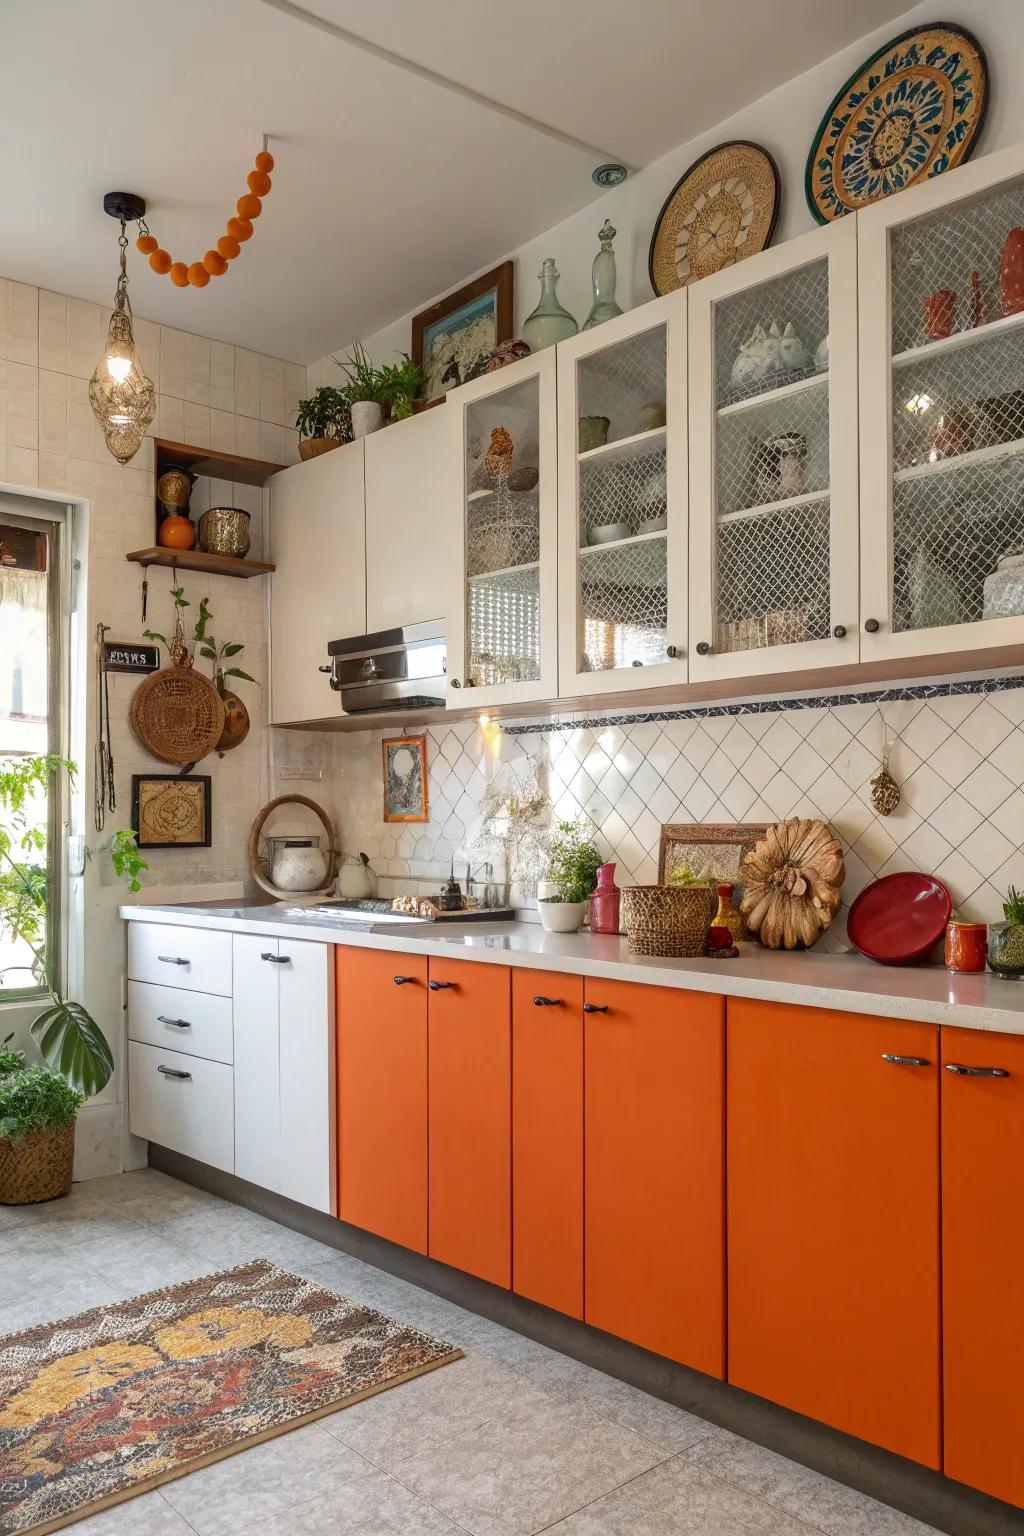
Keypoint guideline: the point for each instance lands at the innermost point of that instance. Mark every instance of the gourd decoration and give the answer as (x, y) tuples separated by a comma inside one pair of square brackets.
[(792, 880), (197, 274)]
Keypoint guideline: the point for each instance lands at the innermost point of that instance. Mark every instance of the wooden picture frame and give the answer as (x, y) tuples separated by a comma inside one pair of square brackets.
[(694, 843), (405, 788), (462, 308), (169, 811)]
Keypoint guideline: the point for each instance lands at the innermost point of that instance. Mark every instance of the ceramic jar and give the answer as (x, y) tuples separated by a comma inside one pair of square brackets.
[(605, 902), (298, 864)]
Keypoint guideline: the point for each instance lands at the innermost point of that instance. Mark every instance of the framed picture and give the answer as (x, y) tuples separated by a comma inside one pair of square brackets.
[(712, 850), (405, 778), (460, 329), (171, 812)]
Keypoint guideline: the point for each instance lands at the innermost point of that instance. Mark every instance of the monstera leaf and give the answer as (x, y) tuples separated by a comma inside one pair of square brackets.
[(73, 1044)]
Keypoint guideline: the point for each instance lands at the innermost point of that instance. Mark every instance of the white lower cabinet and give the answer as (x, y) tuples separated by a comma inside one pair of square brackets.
[(182, 1102), (284, 1067)]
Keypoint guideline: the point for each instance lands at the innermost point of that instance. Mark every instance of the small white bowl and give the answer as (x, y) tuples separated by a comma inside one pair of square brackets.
[(609, 533)]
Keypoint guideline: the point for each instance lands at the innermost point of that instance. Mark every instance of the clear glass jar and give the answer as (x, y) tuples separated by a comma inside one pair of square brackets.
[(1006, 949), (549, 322)]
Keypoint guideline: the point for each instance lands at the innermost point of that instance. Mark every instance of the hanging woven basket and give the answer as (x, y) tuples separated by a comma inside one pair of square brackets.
[(177, 714)]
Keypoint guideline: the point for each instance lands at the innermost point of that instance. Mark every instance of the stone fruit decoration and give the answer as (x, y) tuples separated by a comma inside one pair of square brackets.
[(792, 881)]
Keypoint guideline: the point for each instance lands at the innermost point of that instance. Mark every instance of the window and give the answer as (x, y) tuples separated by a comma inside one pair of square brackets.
[(32, 707)]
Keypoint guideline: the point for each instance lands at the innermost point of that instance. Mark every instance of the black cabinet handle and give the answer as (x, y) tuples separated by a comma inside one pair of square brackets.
[(173, 960), (325, 669), (184, 1077), (595, 1007), (961, 1071), (703, 649), (672, 651), (839, 633), (547, 1002), (174, 1023), (401, 981), (439, 986), (905, 1061), (872, 626), (455, 683), (276, 959)]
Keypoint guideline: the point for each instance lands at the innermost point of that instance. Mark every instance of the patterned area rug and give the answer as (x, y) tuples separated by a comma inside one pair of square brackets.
[(100, 1407)]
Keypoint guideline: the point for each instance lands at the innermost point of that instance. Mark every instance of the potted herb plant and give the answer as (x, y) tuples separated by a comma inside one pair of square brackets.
[(1006, 939), (365, 391), (573, 863), (324, 421), (400, 384), (38, 1104)]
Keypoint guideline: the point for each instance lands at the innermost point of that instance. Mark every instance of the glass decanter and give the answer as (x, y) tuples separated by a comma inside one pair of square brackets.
[(604, 306), (549, 322)]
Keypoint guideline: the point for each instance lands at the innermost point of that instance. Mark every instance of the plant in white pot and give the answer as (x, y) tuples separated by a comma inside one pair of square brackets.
[(573, 863), (365, 390)]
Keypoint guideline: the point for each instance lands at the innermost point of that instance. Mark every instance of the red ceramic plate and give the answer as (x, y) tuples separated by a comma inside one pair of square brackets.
[(899, 918)]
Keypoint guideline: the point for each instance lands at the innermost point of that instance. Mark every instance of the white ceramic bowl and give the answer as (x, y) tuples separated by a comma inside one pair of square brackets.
[(609, 533)]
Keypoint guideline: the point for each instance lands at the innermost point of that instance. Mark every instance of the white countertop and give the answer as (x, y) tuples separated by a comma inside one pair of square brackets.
[(848, 983)]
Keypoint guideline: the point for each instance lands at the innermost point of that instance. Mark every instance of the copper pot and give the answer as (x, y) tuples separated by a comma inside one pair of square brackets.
[(224, 531)]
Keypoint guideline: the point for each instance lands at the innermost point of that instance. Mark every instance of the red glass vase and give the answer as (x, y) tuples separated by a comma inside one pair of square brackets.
[(605, 902)]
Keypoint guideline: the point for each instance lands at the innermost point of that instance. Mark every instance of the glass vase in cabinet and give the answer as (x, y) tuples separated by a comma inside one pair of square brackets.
[(502, 632), (773, 460), (942, 414), (622, 502)]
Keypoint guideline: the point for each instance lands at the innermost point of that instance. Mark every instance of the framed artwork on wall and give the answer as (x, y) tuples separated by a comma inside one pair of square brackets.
[(457, 332), (405, 778), (171, 812)]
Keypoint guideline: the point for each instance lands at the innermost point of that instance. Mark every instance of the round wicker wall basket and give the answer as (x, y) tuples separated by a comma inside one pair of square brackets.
[(38, 1166), (177, 714), (668, 920), (257, 865)]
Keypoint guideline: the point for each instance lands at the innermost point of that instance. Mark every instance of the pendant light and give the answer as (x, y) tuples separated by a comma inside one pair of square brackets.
[(123, 399)]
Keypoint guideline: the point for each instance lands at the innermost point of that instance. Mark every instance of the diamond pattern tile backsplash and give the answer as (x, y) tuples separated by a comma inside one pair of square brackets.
[(958, 759)]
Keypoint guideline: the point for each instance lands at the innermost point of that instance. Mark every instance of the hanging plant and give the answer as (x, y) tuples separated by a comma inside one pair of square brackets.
[(239, 229), (236, 716)]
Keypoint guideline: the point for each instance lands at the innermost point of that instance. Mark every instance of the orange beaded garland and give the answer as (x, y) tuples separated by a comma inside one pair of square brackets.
[(160, 261), (240, 229), (249, 206), (258, 182), (146, 244), (264, 160), (179, 274), (214, 263), (228, 247), (198, 275)]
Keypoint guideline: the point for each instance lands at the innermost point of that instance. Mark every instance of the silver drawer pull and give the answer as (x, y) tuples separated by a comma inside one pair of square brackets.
[(906, 1061), (173, 960), (174, 1023), (276, 959), (185, 1077), (961, 1071)]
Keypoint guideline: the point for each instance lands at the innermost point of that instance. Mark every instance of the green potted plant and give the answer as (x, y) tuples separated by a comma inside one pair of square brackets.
[(573, 863), (38, 1104), (236, 716), (324, 421), (365, 391), (400, 384), (1006, 939)]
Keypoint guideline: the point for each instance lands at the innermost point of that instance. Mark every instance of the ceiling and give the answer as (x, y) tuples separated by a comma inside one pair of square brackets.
[(389, 188)]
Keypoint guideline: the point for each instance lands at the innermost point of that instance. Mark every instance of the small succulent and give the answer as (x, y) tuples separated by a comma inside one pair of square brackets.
[(1013, 906)]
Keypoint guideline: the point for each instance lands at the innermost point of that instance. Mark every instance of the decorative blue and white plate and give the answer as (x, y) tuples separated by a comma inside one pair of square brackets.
[(912, 111)]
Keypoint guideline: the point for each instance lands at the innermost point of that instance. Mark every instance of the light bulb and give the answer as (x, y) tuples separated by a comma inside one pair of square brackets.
[(119, 368)]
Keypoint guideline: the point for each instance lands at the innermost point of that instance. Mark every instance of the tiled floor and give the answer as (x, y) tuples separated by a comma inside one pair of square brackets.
[(514, 1439)]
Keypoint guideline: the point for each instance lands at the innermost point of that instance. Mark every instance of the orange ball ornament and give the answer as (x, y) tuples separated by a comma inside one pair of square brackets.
[(215, 264), (264, 160), (179, 274), (146, 244), (198, 275), (177, 533), (228, 247), (249, 206), (240, 229), (160, 261), (258, 182)]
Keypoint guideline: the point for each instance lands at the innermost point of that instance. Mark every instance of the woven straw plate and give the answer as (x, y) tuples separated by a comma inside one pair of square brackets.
[(723, 210), (178, 715)]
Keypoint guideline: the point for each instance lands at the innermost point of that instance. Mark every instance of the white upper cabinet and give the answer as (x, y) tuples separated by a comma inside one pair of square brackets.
[(773, 460), (942, 416), (502, 626), (318, 591), (412, 526), (622, 502)]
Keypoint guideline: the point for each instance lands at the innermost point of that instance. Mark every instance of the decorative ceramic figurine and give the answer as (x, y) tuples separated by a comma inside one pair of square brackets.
[(1011, 274), (794, 353), (604, 306), (771, 351), (504, 353)]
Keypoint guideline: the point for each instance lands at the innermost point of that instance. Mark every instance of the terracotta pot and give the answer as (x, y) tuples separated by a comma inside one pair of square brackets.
[(177, 533), (311, 447), (1011, 274)]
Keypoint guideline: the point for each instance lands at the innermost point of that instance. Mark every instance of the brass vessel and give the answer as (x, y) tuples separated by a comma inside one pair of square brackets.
[(224, 531)]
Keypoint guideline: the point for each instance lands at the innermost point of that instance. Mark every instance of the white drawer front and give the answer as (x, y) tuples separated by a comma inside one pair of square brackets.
[(195, 959), (183, 1103), (198, 1023)]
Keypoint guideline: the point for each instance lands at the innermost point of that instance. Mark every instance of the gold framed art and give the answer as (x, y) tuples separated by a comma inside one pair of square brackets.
[(171, 812), (405, 778)]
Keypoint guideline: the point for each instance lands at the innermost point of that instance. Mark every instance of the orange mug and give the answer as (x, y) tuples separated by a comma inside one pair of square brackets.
[(940, 313)]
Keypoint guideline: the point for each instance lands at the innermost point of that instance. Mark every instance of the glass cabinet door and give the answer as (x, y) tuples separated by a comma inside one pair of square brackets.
[(942, 285), (502, 640), (622, 502), (773, 460)]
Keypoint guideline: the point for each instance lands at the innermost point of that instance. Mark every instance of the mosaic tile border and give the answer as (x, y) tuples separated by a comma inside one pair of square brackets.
[(771, 706)]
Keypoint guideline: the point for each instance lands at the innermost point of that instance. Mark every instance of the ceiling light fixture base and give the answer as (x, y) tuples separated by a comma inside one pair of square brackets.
[(610, 175), (126, 206)]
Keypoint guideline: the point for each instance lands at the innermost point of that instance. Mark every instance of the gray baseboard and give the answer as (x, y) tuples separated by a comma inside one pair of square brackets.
[(916, 1490)]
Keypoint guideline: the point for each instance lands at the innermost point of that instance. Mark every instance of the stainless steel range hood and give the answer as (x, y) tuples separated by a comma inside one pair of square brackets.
[(393, 669)]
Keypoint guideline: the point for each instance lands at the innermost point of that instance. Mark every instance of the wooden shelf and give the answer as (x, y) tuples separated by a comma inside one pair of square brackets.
[(219, 466), (196, 560), (957, 461)]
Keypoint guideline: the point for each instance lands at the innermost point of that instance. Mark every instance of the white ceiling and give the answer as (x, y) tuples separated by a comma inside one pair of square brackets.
[(388, 188)]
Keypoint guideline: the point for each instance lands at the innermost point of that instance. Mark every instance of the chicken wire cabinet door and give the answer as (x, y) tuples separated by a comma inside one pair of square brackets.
[(942, 414), (622, 502), (502, 630), (773, 460)]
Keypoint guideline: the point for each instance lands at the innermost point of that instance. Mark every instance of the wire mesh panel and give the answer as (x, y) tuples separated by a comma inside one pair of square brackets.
[(625, 383), (951, 528), (622, 495), (503, 629), (964, 398), (933, 262), (773, 450), (773, 578), (623, 605), (772, 335)]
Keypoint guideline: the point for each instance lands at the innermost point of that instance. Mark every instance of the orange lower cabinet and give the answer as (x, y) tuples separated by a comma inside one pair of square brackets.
[(547, 1139), (381, 1010), (833, 1197), (470, 1117), (654, 1091), (983, 1259)]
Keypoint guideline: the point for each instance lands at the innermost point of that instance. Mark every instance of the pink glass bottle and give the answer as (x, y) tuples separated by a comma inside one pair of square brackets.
[(604, 902)]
